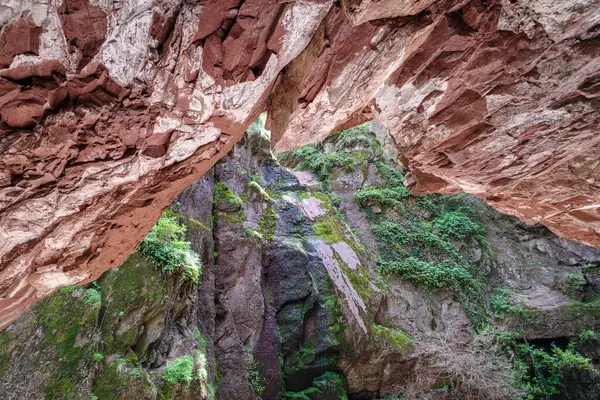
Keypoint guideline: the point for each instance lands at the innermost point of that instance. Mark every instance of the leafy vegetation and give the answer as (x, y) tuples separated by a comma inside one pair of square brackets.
[(414, 249), (93, 298), (255, 378), (384, 197), (501, 303), (544, 372), (416, 241), (456, 225), (312, 158), (166, 248), (179, 371), (329, 385), (391, 176), (574, 286), (433, 275)]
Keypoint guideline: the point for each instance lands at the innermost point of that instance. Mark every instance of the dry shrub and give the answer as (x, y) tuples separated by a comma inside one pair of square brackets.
[(475, 369)]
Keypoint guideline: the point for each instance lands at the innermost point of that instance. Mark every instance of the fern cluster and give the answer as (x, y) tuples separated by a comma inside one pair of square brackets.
[(166, 248)]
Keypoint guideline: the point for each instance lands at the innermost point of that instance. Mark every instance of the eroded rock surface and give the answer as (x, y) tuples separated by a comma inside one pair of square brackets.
[(109, 109), (293, 305)]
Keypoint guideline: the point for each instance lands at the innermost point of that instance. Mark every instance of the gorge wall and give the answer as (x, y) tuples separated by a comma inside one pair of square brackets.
[(299, 298), (109, 109)]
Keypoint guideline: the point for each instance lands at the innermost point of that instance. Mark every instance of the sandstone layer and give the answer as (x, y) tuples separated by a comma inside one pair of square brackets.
[(285, 309), (108, 109)]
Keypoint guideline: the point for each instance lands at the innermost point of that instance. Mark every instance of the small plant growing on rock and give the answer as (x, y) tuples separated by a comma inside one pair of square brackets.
[(252, 234), (97, 357), (179, 371), (501, 303), (256, 379), (93, 298), (164, 247), (574, 286), (456, 225), (587, 336)]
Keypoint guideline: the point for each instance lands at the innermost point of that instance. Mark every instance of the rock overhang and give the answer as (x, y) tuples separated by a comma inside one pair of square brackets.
[(100, 130)]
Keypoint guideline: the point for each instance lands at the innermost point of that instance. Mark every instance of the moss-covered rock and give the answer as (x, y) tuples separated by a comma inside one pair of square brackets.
[(225, 200)]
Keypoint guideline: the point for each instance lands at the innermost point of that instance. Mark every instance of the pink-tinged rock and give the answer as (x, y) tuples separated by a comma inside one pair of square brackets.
[(347, 254), (500, 100), (135, 119), (307, 179), (342, 283)]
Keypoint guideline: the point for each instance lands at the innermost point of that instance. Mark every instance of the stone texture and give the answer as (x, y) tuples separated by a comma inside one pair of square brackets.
[(295, 308), (101, 128), (495, 98)]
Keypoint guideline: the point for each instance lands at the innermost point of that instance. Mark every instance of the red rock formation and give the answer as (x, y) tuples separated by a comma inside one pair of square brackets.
[(106, 113), (496, 98)]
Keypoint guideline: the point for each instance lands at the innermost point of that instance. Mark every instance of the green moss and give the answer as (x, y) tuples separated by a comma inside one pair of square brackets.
[(575, 286), (127, 339), (394, 335), (302, 195), (198, 224), (335, 319), (255, 188), (236, 218), (111, 382), (583, 315), (252, 234), (332, 229), (60, 388), (360, 281), (225, 199), (61, 318), (128, 287), (268, 222), (7, 344)]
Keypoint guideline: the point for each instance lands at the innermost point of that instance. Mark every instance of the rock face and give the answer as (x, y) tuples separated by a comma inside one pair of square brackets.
[(291, 303), (109, 109), (495, 98)]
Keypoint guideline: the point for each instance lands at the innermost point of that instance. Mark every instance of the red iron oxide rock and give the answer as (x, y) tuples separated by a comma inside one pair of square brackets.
[(108, 112)]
